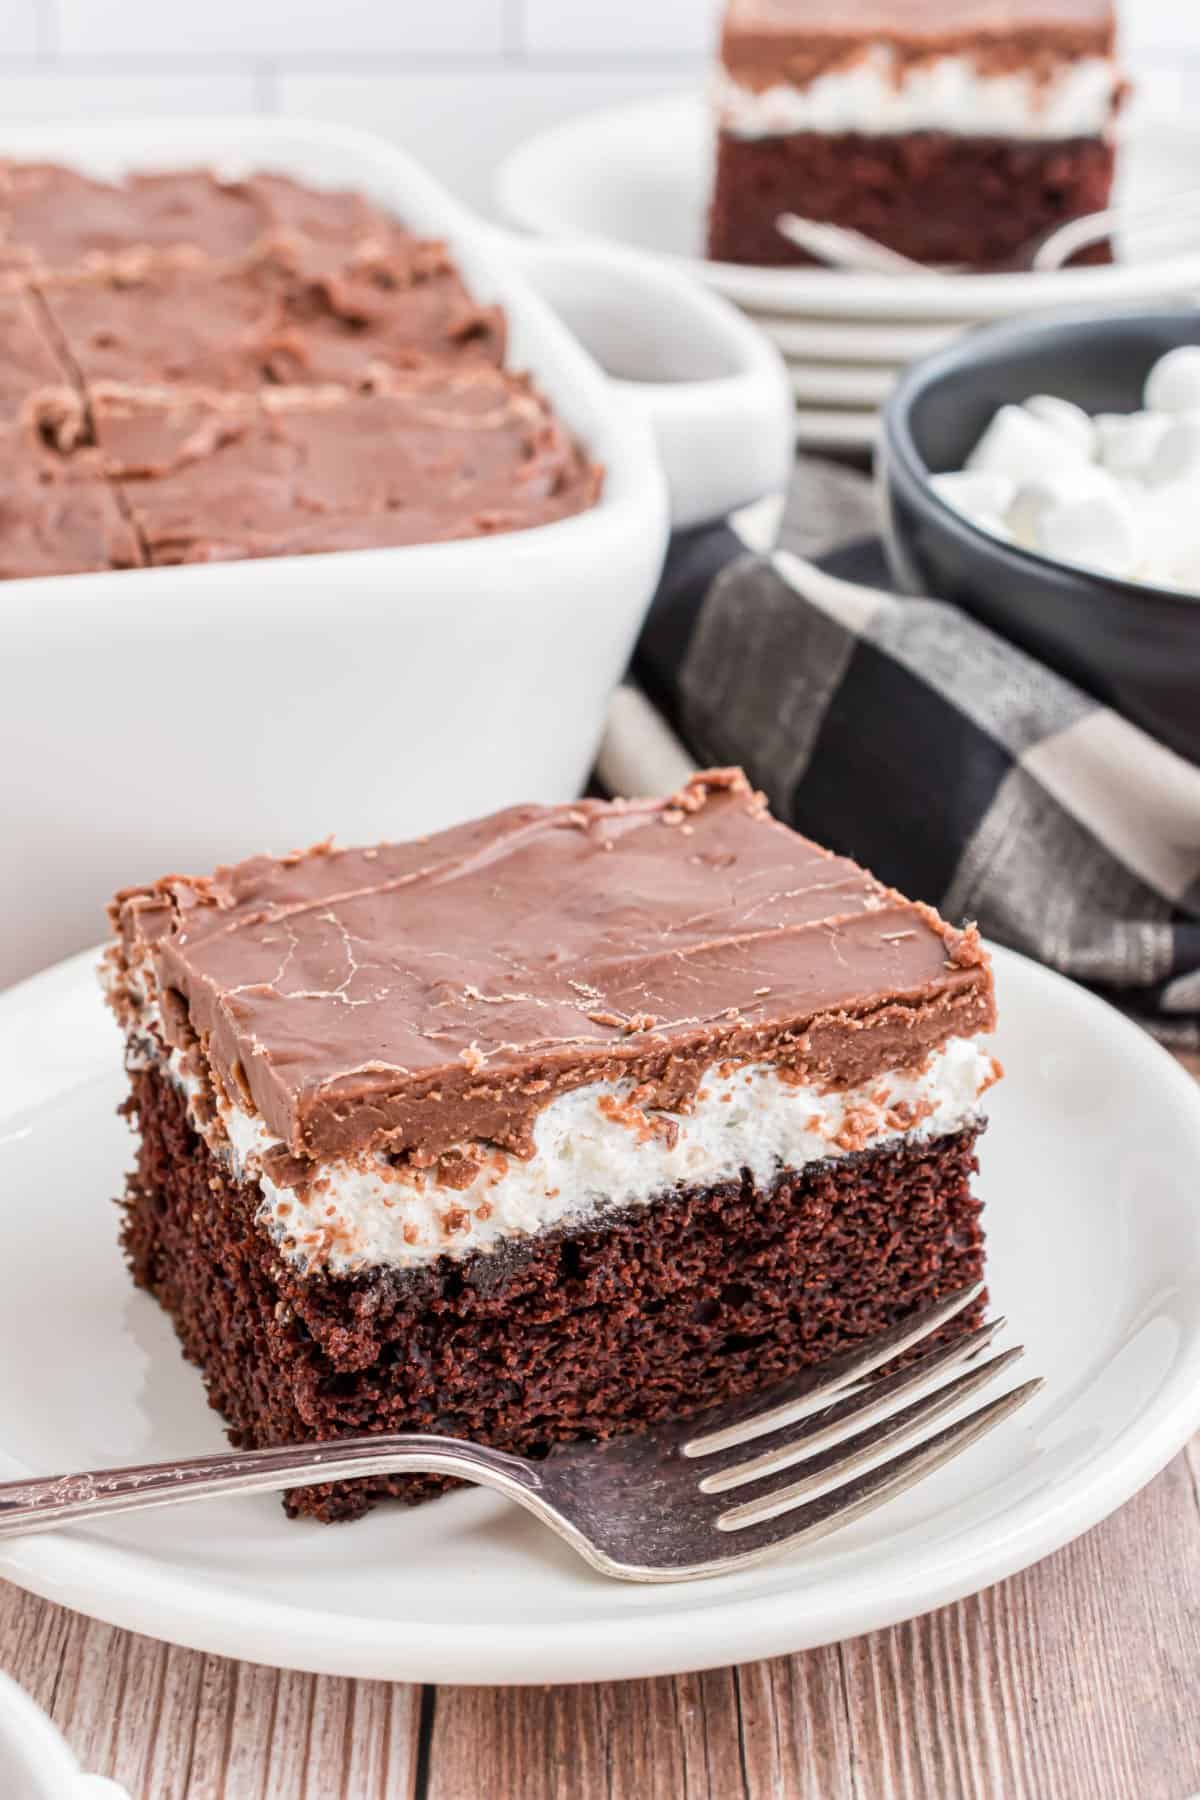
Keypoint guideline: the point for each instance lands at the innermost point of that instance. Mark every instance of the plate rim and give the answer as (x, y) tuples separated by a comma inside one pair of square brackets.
[(933, 299), (139, 1592), (841, 430)]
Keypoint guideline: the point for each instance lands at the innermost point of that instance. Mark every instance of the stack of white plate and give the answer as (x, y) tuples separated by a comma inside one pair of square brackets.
[(640, 175)]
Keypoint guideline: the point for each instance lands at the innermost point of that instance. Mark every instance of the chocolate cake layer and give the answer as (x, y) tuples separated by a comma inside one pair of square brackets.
[(936, 197), (704, 1296), (443, 453), (412, 997)]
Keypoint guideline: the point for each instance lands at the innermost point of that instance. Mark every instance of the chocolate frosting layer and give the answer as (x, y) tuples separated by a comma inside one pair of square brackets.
[(411, 997), (65, 220), (768, 41), (29, 356), (62, 220), (443, 453), (255, 368), (276, 316), (58, 516)]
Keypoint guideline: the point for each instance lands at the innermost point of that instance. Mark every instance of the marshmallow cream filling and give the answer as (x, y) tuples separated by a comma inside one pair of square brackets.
[(946, 93), (595, 1152)]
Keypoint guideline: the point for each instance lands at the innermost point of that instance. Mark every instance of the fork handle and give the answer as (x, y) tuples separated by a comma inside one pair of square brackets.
[(54, 1500)]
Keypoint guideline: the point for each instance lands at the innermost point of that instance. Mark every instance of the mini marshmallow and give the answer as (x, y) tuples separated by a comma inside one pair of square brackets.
[(1093, 531), (1170, 527), (977, 495), (1173, 384), (1035, 500), (1017, 445), (1183, 575), (1125, 442), (1176, 456), (1122, 497), (1025, 515), (1065, 419)]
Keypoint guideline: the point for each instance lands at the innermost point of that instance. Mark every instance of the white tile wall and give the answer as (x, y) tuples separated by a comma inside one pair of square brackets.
[(460, 80), (463, 122), (19, 27), (279, 28), (656, 28), (39, 93), (1161, 26)]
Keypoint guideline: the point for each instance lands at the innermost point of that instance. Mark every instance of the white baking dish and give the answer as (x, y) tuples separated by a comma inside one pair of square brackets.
[(169, 718)]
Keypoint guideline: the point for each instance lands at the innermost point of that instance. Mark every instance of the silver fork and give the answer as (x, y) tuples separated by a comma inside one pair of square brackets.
[(1174, 217), (662, 1506)]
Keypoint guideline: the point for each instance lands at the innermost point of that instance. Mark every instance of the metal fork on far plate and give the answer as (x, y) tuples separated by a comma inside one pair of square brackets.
[(1175, 218), (718, 1491)]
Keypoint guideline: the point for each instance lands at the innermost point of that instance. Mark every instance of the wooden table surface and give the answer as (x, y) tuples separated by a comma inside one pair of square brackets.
[(1078, 1680)]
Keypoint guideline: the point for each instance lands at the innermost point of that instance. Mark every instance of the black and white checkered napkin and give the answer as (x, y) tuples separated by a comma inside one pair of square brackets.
[(905, 735)]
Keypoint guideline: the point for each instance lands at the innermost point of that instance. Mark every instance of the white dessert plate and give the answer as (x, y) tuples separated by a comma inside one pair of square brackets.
[(841, 384), (1089, 1177), (853, 341), (851, 429), (641, 174)]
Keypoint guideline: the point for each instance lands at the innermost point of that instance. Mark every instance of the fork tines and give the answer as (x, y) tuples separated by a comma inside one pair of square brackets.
[(819, 1455)]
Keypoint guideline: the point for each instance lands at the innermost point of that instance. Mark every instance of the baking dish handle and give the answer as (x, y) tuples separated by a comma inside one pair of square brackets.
[(711, 384)]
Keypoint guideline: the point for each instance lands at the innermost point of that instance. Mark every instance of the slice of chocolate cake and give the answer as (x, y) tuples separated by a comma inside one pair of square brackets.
[(954, 131), (550, 1125)]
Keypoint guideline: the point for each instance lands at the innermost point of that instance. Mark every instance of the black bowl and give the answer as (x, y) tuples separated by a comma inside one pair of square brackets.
[(1132, 645)]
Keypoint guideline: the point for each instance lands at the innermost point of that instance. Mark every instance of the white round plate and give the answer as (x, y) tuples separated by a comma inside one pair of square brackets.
[(641, 175), (1089, 1177), (852, 341), (841, 384), (35, 1763), (845, 428)]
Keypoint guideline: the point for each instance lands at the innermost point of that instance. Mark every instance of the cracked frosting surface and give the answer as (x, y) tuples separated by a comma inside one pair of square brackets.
[(412, 997)]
